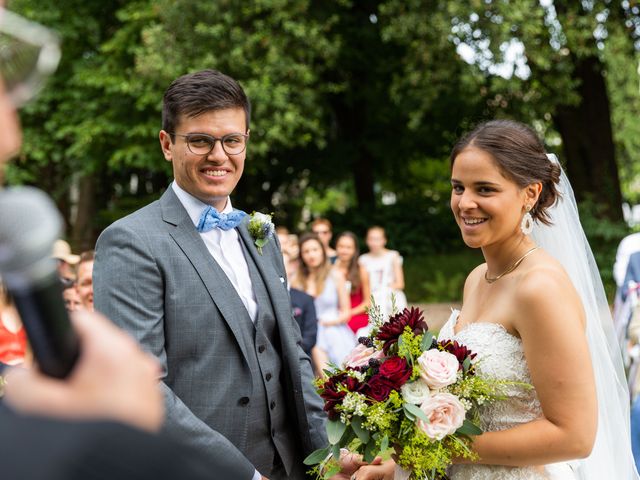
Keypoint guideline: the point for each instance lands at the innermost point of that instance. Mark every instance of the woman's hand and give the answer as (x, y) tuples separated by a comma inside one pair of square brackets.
[(384, 471)]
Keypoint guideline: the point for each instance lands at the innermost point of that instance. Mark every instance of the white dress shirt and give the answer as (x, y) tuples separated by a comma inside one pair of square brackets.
[(224, 246)]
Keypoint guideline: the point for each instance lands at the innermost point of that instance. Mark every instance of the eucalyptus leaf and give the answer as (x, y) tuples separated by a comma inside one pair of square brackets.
[(466, 364), (416, 412), (427, 340), (335, 429), (469, 428), (317, 456), (370, 451), (362, 433)]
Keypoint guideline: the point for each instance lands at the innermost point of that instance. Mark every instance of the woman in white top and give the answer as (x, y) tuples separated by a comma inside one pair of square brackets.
[(384, 266)]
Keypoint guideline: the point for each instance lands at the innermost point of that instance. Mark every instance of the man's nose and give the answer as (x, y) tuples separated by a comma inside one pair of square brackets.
[(217, 153)]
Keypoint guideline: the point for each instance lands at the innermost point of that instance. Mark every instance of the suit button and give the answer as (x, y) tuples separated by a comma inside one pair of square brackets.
[(261, 348), (273, 405), (243, 401), (268, 376)]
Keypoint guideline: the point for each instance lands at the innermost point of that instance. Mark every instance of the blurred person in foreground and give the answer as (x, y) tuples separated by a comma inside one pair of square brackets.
[(100, 422)]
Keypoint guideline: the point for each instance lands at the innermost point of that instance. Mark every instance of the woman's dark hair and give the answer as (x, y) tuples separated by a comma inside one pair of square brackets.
[(520, 156), (353, 271), (201, 92), (301, 280)]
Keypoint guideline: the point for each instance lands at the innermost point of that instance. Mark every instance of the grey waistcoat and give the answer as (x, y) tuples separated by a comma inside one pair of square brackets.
[(268, 429)]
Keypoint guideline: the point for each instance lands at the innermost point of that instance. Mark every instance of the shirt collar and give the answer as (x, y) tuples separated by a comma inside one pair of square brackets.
[(194, 206)]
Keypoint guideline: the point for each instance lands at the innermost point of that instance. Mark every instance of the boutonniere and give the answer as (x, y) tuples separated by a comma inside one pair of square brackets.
[(261, 229)]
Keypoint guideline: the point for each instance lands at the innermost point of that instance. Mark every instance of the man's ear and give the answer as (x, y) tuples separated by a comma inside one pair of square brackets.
[(166, 144)]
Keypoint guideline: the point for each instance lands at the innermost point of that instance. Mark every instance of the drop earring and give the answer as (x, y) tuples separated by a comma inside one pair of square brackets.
[(526, 225)]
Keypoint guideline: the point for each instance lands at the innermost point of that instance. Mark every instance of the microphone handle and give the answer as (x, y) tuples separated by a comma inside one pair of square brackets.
[(53, 340)]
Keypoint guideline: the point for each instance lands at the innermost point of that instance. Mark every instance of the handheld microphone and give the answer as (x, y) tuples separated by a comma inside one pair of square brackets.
[(29, 224)]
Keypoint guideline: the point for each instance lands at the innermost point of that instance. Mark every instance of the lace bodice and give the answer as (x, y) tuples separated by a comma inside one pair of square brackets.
[(500, 355)]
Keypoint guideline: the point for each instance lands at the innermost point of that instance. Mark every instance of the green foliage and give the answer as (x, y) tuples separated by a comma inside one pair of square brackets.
[(604, 236), (439, 277)]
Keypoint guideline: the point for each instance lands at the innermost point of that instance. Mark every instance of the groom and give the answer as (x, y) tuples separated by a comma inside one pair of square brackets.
[(184, 276)]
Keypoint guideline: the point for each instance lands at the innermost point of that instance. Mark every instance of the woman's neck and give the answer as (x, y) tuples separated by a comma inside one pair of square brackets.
[(500, 256)]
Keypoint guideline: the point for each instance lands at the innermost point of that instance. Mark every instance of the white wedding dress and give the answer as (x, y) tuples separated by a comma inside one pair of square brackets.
[(500, 355)]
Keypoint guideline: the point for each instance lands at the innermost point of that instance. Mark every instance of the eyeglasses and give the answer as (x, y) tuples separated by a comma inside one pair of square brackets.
[(203, 144)]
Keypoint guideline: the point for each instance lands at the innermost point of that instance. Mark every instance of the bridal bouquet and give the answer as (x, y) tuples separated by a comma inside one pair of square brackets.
[(401, 391)]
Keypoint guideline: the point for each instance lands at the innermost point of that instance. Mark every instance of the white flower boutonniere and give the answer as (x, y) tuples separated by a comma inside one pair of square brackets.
[(261, 229)]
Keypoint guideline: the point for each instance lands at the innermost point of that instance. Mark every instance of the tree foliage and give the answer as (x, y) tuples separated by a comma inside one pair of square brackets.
[(353, 101)]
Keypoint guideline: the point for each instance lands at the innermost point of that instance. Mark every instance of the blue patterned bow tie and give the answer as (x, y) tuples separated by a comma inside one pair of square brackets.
[(211, 219)]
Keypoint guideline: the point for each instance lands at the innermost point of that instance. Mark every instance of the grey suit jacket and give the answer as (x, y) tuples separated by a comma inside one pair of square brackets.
[(154, 276)]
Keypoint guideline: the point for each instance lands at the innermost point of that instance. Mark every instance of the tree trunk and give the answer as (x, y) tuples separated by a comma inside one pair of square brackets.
[(587, 139), (82, 236)]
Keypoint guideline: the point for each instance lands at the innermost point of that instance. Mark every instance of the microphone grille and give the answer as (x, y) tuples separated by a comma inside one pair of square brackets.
[(29, 224)]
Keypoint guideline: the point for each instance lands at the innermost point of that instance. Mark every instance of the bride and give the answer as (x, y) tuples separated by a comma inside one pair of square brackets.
[(535, 312)]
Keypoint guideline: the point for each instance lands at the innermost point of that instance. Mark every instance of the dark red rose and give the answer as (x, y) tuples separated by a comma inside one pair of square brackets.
[(378, 388), (390, 331), (396, 370), (460, 351), (333, 392)]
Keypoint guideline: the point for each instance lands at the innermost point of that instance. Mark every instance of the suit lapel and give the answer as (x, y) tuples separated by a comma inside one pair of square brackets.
[(273, 281), (211, 274)]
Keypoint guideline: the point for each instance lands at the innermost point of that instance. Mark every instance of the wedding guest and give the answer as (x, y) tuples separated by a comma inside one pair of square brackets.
[(84, 284), (327, 286), (67, 261), (13, 339), (304, 311), (283, 237), (71, 297), (384, 267), (357, 281), (324, 230)]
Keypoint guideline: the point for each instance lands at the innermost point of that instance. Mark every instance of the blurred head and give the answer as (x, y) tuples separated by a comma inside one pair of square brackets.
[(294, 247), (84, 283), (290, 266), (71, 298), (376, 239), (312, 252), (197, 107), (498, 172), (283, 237), (323, 229), (347, 247), (348, 253)]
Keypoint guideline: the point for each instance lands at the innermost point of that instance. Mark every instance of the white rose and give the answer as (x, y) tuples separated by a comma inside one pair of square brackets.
[(415, 392), (438, 368), (445, 413), (261, 217)]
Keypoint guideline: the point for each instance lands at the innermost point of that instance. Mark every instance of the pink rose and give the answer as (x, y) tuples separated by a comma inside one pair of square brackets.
[(360, 356), (438, 369), (445, 413)]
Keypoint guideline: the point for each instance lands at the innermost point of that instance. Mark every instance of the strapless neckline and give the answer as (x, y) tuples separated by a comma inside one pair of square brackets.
[(468, 326)]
